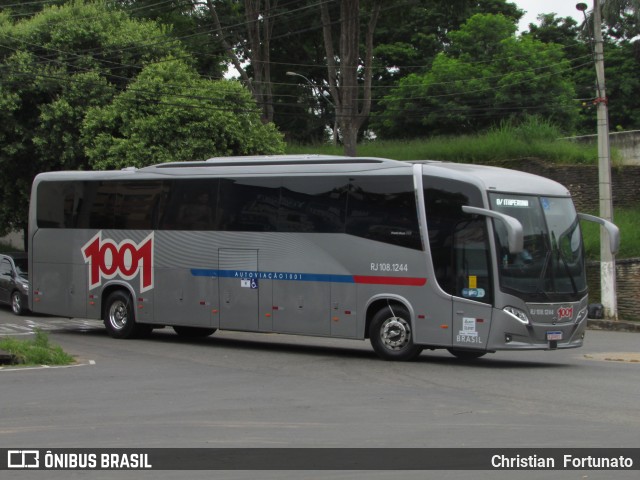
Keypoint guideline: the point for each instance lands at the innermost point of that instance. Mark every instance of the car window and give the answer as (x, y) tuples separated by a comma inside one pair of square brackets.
[(22, 266), (5, 267)]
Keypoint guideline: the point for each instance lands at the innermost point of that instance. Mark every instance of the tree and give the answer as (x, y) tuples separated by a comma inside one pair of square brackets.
[(406, 38), (257, 28), (409, 36), (53, 66), (154, 121), (614, 10), (186, 21), (17, 9), (64, 61), (622, 62), (486, 75), (344, 68)]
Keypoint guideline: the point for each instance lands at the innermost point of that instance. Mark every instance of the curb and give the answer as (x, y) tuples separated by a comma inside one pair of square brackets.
[(613, 325)]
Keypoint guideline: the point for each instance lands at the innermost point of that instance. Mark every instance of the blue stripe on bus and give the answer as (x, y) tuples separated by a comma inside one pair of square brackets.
[(300, 277), (308, 277)]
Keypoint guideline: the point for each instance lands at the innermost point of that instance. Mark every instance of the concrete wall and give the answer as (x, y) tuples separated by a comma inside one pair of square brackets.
[(626, 143), (582, 181), (15, 239), (627, 286)]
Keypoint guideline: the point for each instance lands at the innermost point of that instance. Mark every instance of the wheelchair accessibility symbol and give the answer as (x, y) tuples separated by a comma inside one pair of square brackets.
[(249, 283)]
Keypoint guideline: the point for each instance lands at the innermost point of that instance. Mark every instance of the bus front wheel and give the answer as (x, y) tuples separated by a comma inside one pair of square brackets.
[(391, 336), (119, 317)]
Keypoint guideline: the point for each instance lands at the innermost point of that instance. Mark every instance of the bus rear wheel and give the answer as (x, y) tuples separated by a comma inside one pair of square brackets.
[(391, 336), (193, 332), (119, 317)]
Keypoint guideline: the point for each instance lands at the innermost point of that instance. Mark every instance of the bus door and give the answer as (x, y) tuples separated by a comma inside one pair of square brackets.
[(239, 289), (472, 295), (460, 252)]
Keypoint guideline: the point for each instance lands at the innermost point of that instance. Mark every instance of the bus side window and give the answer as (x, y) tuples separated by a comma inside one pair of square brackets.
[(384, 209), (187, 205), (313, 204), (249, 204), (196, 212)]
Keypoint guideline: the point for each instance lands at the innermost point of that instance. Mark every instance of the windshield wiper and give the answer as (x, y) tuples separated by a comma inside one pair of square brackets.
[(545, 266)]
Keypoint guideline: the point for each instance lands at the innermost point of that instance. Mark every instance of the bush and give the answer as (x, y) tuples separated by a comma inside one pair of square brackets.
[(37, 351)]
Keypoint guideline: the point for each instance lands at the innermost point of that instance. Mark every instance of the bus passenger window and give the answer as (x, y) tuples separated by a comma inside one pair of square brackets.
[(197, 213), (384, 209)]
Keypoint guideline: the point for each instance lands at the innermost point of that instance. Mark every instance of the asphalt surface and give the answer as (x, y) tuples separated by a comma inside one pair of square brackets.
[(265, 391)]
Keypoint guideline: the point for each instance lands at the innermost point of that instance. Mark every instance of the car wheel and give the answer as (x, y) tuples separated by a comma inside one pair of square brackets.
[(16, 303)]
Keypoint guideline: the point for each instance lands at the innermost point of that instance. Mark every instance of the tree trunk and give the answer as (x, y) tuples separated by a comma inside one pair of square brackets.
[(352, 109), (259, 30)]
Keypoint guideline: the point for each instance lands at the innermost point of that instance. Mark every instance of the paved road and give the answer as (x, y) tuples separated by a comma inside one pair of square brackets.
[(251, 390)]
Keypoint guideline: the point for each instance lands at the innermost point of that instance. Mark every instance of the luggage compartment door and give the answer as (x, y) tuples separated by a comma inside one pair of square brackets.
[(239, 289)]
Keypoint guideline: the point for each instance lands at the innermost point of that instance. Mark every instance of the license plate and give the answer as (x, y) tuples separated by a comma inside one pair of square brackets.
[(554, 335)]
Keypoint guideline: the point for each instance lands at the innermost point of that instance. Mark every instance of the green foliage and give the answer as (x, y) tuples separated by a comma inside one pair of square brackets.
[(54, 66), (623, 84), (531, 138), (156, 121), (486, 75), (87, 56), (38, 351), (184, 17), (627, 220)]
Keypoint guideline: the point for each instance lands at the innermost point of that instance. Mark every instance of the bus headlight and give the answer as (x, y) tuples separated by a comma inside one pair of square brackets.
[(517, 314)]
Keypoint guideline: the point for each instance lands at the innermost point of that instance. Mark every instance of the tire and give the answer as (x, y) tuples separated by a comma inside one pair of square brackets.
[(119, 317), (466, 354), (193, 332), (17, 305), (391, 336)]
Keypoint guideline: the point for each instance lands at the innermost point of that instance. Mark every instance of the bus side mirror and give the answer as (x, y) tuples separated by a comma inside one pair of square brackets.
[(612, 230), (515, 237)]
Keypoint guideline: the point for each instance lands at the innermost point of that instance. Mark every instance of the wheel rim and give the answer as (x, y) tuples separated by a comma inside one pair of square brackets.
[(395, 333), (118, 315), (16, 303)]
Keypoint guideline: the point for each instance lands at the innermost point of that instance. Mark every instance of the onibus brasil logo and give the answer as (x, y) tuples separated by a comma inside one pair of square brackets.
[(126, 260)]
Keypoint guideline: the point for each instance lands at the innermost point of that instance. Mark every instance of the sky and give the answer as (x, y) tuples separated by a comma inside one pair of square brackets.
[(563, 8)]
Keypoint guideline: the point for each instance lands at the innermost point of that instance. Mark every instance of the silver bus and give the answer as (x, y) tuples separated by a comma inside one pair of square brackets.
[(468, 258)]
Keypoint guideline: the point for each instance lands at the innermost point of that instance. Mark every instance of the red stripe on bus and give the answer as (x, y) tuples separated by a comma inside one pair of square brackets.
[(374, 280)]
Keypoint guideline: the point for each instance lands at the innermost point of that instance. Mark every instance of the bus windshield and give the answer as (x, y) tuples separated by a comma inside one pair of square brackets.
[(551, 265)]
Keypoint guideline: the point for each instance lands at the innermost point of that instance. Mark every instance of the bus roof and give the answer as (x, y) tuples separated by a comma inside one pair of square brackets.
[(487, 178), (275, 164)]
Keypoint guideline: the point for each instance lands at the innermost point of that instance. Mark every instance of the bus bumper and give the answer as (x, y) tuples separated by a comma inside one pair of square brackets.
[(508, 333)]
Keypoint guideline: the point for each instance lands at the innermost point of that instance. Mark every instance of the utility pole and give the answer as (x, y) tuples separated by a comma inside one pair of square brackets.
[(607, 258)]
